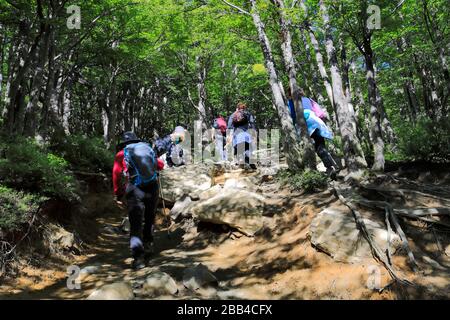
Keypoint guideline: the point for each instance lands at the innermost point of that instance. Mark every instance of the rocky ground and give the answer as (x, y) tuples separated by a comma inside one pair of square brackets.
[(242, 235)]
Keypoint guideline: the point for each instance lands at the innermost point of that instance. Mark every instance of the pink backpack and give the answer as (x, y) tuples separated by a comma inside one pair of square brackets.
[(318, 110)]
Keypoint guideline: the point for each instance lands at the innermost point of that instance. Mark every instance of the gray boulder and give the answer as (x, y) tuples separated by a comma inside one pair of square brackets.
[(181, 208), (115, 291), (185, 180), (61, 239), (242, 183), (199, 277), (335, 232), (210, 193), (159, 284), (240, 209)]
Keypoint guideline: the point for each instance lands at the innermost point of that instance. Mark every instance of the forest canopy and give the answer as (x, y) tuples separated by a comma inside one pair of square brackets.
[(99, 68)]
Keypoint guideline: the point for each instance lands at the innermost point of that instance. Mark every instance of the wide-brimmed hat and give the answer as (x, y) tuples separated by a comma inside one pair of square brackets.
[(128, 138)]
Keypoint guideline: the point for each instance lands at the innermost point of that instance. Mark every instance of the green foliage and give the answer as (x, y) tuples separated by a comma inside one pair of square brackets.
[(16, 208), (426, 140), (25, 165), (84, 153), (309, 180)]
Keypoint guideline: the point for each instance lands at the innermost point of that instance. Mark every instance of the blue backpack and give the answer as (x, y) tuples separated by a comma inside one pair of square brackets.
[(141, 163)]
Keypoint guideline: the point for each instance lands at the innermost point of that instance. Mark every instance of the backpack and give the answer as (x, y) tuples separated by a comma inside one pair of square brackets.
[(240, 118), (318, 110), (220, 124), (141, 163), (175, 156)]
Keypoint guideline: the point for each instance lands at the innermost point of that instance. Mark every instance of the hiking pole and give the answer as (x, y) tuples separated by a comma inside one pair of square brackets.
[(161, 195)]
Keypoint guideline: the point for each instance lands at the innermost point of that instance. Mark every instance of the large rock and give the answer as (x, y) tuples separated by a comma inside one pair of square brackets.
[(210, 193), (90, 270), (184, 180), (115, 291), (335, 232), (240, 209), (159, 284), (181, 208), (242, 183), (61, 239), (199, 277)]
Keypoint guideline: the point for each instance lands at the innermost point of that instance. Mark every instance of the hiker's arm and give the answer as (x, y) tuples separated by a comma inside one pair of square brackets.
[(160, 164), (117, 174)]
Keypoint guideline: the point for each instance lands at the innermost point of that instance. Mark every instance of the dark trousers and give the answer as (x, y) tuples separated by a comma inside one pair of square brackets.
[(243, 147), (142, 203), (322, 151), (319, 141)]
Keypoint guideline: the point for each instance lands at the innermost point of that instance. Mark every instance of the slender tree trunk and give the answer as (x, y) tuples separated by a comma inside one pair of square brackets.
[(31, 111), (49, 123), (409, 88), (319, 58), (67, 106), (201, 90), (354, 156), (309, 157), (346, 81), (23, 63), (375, 132), (317, 90), (294, 152)]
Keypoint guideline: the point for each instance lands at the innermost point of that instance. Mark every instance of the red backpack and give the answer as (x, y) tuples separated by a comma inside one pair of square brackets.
[(220, 124)]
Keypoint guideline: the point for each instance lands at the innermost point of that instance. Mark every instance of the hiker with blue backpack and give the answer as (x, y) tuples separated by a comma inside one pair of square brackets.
[(317, 129), (241, 121), (135, 177)]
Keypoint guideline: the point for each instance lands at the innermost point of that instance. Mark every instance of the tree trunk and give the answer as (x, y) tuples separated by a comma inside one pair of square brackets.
[(31, 111), (375, 130), (23, 61), (309, 157), (201, 90), (409, 88), (353, 153), (317, 90), (294, 152), (319, 58), (66, 106)]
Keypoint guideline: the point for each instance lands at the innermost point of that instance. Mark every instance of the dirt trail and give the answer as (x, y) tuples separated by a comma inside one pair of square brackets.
[(279, 263)]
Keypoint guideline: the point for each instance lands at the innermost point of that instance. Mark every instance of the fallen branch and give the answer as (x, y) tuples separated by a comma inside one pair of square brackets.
[(389, 231), (444, 191), (424, 219), (419, 212), (408, 213), (402, 235), (402, 192)]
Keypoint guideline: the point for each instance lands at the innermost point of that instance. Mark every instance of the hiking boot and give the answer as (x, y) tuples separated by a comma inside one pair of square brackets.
[(138, 263), (149, 249), (137, 252), (332, 173)]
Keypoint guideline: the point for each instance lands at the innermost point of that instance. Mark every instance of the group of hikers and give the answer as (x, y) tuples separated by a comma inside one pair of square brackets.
[(138, 163)]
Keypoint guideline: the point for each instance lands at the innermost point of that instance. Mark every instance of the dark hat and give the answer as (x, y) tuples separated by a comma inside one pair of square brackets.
[(128, 138)]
